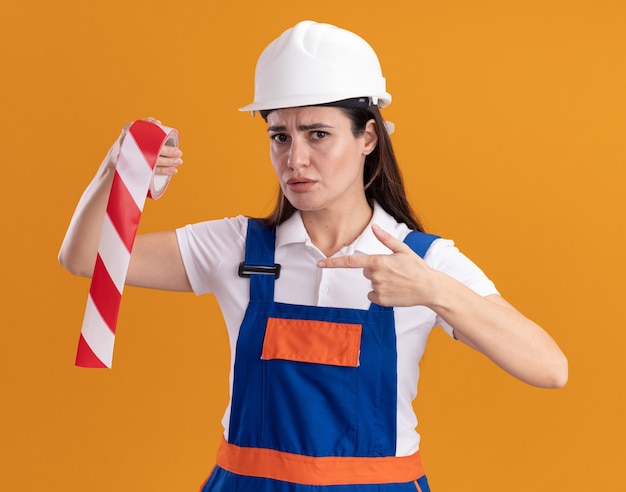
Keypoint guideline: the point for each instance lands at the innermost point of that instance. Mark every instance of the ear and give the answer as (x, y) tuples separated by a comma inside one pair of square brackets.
[(370, 137)]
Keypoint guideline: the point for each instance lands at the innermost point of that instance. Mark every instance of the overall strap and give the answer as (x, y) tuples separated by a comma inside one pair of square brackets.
[(259, 263), (419, 242)]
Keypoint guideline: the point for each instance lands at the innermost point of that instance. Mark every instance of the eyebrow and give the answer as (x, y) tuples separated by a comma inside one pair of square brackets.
[(302, 128)]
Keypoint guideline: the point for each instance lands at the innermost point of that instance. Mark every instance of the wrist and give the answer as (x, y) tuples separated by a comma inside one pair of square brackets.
[(444, 292)]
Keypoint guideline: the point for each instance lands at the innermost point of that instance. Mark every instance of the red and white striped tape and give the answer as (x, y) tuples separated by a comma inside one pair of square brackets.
[(134, 180)]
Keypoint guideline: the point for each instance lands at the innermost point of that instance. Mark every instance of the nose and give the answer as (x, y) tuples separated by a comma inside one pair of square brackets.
[(298, 154)]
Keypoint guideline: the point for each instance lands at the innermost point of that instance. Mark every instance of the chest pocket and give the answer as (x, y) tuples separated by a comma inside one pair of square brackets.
[(312, 341)]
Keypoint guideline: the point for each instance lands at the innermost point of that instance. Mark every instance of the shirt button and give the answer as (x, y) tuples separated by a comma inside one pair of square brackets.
[(324, 289)]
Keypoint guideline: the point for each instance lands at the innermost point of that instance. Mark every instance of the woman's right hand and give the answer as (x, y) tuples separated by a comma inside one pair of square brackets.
[(167, 163)]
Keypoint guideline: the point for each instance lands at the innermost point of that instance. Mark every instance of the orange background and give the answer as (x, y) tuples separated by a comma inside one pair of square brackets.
[(511, 129)]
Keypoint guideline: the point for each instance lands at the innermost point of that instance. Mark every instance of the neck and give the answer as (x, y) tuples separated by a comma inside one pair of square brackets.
[(331, 230)]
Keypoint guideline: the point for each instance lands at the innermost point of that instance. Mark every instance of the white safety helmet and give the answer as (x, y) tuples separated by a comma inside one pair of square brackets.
[(313, 63)]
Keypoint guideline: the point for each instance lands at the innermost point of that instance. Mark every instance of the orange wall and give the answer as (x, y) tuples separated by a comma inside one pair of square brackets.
[(511, 127)]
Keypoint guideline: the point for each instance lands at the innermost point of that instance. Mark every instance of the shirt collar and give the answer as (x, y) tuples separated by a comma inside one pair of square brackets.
[(367, 243), (293, 231)]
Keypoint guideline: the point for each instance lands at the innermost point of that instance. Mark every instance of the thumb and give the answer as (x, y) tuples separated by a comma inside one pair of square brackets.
[(395, 245)]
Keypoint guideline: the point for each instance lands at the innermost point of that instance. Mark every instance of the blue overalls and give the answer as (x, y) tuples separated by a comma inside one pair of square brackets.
[(314, 393)]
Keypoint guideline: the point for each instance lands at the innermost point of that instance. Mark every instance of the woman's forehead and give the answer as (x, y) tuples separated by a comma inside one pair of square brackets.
[(307, 115)]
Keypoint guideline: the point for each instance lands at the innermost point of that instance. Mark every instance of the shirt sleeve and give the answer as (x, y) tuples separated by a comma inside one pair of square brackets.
[(206, 246), (445, 257)]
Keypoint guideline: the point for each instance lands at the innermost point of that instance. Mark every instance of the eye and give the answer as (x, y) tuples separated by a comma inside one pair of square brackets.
[(318, 134), (279, 138)]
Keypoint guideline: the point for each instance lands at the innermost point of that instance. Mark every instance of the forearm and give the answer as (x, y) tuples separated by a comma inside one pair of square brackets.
[(496, 329), (80, 246)]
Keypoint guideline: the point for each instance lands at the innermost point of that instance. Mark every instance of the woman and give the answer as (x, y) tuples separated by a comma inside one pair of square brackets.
[(328, 301)]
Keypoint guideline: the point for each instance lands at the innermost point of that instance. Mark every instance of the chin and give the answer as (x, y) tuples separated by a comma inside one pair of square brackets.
[(304, 205)]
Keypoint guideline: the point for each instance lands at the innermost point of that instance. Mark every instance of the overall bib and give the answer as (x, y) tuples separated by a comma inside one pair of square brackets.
[(314, 393)]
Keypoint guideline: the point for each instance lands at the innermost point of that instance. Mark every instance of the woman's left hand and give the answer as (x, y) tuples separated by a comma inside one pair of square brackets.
[(399, 279)]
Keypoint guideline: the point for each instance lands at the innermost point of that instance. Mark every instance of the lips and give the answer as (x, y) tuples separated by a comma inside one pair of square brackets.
[(300, 185)]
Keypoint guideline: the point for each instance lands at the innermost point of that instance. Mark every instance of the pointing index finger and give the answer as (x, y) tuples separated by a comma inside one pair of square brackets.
[(350, 261)]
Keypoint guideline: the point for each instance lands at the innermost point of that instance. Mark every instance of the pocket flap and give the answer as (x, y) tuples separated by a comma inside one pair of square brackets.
[(320, 342)]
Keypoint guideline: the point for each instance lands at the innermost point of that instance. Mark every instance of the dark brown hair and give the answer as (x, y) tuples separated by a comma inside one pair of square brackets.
[(381, 177)]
